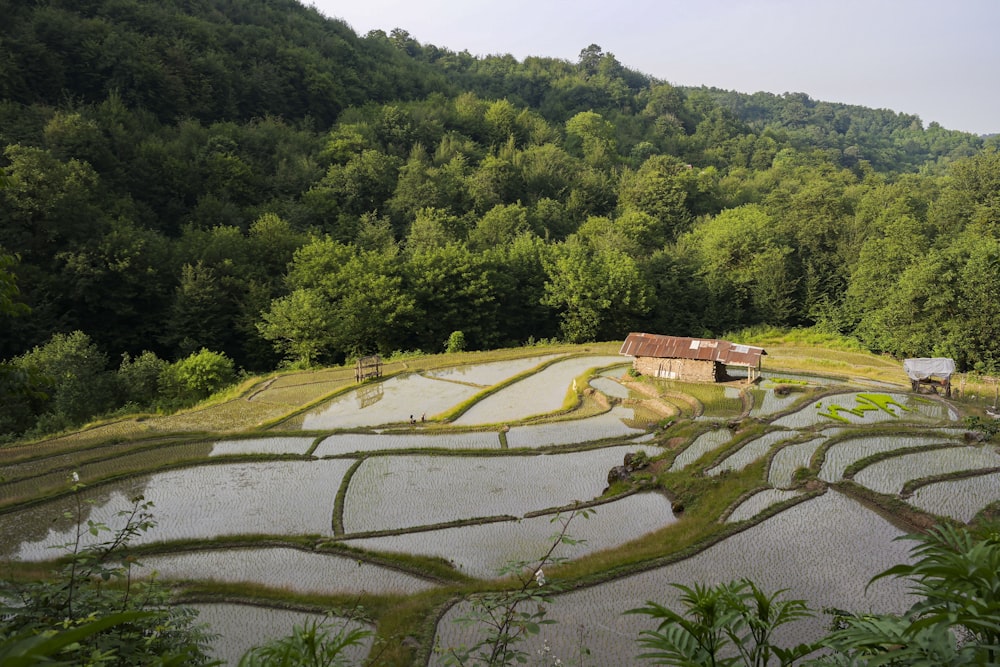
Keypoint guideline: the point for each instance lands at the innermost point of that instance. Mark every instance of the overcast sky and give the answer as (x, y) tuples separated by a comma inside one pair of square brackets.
[(938, 59)]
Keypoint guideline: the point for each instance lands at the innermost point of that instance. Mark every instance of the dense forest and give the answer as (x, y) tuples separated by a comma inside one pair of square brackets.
[(191, 188)]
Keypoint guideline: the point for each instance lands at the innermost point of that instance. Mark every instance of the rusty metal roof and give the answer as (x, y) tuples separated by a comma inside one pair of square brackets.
[(678, 347)]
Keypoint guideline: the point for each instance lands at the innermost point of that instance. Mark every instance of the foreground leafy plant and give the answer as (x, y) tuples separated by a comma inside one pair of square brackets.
[(312, 645), (510, 617), (956, 621), (718, 621), (93, 585)]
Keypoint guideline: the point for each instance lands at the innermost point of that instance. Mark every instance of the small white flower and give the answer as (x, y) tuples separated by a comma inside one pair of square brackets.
[(76, 477), (539, 577)]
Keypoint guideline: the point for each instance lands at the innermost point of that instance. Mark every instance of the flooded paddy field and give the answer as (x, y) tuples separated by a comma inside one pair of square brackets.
[(265, 497), (787, 460), (483, 550), (611, 424), (845, 452), (346, 443), (490, 373), (394, 400), (243, 626), (889, 476), (538, 394), (454, 488), (751, 451), (262, 446), (867, 408), (427, 494), (823, 550), (960, 499), (703, 444), (283, 568)]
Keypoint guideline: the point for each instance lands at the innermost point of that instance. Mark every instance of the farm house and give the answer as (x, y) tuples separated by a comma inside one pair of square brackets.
[(690, 359)]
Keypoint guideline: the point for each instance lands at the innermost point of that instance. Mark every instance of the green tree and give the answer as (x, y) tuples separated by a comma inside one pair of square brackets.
[(76, 379), (298, 325), (657, 189), (594, 137), (598, 294)]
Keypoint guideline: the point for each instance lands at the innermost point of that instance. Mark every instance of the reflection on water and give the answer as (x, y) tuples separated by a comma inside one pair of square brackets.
[(369, 394)]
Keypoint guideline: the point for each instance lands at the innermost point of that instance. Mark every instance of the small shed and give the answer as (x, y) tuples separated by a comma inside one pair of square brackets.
[(690, 359), (932, 372)]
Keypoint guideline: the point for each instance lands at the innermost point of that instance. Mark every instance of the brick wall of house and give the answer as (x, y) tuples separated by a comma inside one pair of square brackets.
[(693, 370)]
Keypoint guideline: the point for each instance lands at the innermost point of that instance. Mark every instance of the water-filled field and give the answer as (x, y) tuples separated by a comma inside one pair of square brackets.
[(242, 626), (890, 475), (703, 444), (788, 459), (283, 568), (844, 453), (867, 408), (751, 451), (483, 550), (263, 497), (261, 446), (959, 499), (538, 394), (451, 488), (490, 373), (394, 400), (823, 550), (461, 493), (759, 502)]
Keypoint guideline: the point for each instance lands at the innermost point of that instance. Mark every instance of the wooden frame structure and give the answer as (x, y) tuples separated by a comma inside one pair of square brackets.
[(368, 367)]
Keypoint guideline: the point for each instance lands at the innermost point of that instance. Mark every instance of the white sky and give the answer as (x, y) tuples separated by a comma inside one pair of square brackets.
[(938, 59)]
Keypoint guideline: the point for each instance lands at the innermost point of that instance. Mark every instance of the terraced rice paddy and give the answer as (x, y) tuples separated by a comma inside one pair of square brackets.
[(241, 627), (262, 446), (611, 424), (283, 568), (833, 409), (823, 550), (890, 475), (788, 459), (267, 497), (844, 453), (346, 443), (450, 493), (483, 550), (959, 499), (394, 400), (759, 502), (703, 444), (491, 373), (609, 387), (751, 451), (538, 394), (452, 488)]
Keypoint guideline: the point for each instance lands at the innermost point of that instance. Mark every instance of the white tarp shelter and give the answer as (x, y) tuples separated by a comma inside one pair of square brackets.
[(923, 368), (932, 372)]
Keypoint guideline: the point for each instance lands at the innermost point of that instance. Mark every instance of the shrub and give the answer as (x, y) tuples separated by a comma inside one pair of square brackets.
[(196, 377), (139, 378), (456, 342)]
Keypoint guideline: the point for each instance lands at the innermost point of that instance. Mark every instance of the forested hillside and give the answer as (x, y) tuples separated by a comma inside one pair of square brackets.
[(248, 183)]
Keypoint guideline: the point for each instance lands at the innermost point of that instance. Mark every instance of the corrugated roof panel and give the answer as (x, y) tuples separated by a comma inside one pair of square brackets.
[(702, 349)]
